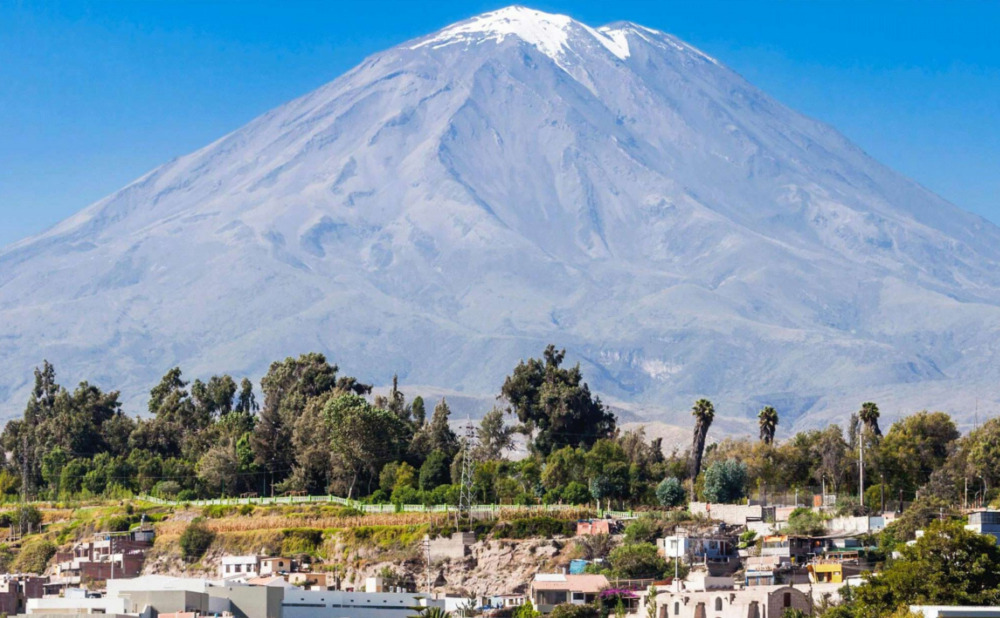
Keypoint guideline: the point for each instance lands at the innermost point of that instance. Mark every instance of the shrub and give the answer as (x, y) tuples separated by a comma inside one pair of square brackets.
[(195, 540), (6, 558), (117, 523), (301, 540), (642, 530), (570, 610), (246, 510), (27, 518), (217, 511), (186, 495), (670, 492), (595, 546), (529, 527), (34, 556)]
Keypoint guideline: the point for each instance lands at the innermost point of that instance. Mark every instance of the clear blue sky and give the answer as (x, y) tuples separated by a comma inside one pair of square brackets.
[(94, 95)]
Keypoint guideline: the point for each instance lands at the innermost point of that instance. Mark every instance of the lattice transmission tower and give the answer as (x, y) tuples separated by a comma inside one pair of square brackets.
[(465, 496)]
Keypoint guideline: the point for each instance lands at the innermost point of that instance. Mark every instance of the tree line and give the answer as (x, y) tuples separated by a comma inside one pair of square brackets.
[(316, 431)]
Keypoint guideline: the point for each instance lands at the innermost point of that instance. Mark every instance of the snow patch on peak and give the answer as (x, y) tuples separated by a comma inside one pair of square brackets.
[(548, 32), (619, 31)]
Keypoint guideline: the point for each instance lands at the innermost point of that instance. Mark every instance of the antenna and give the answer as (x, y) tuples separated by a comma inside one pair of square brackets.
[(468, 467)]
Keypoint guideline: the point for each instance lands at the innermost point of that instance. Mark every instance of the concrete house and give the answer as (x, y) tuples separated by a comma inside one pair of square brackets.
[(549, 590), (790, 549), (239, 566), (985, 522), (274, 566), (697, 549)]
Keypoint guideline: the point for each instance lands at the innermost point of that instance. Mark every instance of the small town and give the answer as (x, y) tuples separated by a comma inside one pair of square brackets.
[(742, 560)]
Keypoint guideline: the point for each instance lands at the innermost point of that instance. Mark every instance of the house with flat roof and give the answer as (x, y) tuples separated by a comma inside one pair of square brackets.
[(550, 589), (239, 566), (985, 522)]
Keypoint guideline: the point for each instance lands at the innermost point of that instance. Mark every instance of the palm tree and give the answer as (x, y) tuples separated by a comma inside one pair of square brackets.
[(869, 416), (431, 612), (703, 412), (768, 420)]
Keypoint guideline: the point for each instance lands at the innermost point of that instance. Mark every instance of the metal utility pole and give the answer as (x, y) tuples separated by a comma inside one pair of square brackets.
[(861, 466), (427, 557)]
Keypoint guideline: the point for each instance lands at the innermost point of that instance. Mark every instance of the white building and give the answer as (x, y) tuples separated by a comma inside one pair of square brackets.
[(239, 566), (955, 611), (340, 604), (985, 522), (75, 605)]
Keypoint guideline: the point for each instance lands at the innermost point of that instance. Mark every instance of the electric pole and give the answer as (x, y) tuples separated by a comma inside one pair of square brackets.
[(861, 466)]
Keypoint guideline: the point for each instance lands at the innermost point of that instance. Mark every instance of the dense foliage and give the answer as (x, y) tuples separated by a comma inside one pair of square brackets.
[(317, 431), (948, 565)]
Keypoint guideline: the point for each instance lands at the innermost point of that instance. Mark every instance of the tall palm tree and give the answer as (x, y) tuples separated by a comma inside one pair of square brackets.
[(869, 416), (768, 420), (704, 413)]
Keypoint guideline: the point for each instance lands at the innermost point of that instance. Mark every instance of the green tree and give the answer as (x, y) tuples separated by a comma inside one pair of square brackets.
[(982, 447), (768, 421), (725, 481), (434, 471), (441, 436), (195, 540), (949, 565), (637, 561), (495, 436), (868, 416), (805, 522), (364, 437), (703, 413), (670, 492), (563, 467), (829, 454), (554, 405), (915, 447), (576, 493), (650, 602), (611, 483), (288, 387), (418, 412)]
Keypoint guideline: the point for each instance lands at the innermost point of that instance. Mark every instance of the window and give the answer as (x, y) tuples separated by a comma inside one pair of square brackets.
[(787, 600), (677, 608), (718, 604)]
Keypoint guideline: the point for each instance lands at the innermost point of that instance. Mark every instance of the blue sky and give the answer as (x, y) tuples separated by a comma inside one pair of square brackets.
[(93, 95)]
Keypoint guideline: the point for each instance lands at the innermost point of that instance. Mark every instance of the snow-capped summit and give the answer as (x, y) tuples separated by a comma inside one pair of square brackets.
[(455, 203), (549, 33)]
